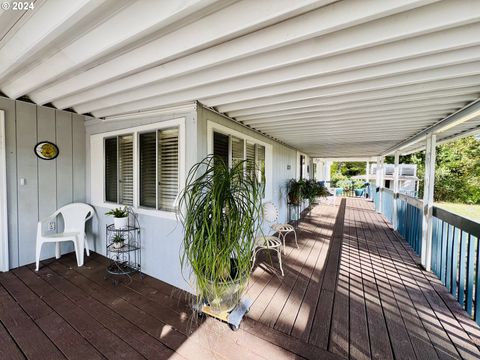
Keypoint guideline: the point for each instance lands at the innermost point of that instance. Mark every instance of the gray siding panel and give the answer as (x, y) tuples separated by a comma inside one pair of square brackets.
[(49, 183), (47, 169), (79, 162), (64, 160), (27, 170)]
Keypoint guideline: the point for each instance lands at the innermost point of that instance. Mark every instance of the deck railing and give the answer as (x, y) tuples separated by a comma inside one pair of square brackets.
[(455, 245)]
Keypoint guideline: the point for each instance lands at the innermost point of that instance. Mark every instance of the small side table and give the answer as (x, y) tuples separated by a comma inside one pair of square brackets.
[(125, 260)]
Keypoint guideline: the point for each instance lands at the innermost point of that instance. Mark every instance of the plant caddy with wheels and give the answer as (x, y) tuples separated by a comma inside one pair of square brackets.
[(220, 208)]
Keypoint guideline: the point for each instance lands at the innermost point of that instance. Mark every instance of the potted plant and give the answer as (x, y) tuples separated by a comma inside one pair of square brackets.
[(359, 187), (120, 217), (345, 185), (220, 210), (295, 189), (118, 241)]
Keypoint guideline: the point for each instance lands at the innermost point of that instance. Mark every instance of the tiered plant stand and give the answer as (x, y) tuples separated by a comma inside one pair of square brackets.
[(126, 260)]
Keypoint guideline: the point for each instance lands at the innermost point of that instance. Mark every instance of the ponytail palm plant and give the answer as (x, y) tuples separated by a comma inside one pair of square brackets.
[(220, 208)]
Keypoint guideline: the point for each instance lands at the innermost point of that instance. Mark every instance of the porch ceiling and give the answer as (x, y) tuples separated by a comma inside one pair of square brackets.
[(332, 78)]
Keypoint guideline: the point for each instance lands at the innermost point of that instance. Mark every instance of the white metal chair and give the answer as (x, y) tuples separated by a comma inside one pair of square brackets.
[(271, 216), (74, 216), (270, 242)]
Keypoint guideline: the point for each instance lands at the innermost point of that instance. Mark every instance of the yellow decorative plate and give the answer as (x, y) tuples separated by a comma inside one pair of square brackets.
[(46, 150)]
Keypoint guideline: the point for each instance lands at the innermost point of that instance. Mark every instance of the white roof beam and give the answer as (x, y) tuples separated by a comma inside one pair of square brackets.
[(309, 105), (332, 88), (293, 73), (223, 25), (315, 122), (359, 109), (344, 80), (149, 81), (50, 21), (321, 96), (143, 18), (467, 113)]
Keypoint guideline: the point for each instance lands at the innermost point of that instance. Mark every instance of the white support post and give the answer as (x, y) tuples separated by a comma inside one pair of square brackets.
[(380, 181), (428, 192), (396, 188)]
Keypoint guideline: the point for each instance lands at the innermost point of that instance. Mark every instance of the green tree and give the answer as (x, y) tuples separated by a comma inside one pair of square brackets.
[(346, 169), (457, 173)]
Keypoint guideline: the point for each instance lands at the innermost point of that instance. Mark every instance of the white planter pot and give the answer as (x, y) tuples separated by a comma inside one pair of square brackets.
[(120, 223), (118, 245)]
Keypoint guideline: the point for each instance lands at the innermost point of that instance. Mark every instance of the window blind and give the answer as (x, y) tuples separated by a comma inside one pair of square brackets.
[(168, 168), (125, 163), (148, 169), (251, 159), (260, 163), (220, 146), (111, 170), (237, 150)]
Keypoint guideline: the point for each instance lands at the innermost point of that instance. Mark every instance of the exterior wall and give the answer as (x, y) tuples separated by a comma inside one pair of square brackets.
[(284, 158), (48, 184), (161, 235)]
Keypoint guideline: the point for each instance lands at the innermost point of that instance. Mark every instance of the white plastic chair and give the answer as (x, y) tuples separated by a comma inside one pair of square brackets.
[(74, 216), (283, 230), (269, 242)]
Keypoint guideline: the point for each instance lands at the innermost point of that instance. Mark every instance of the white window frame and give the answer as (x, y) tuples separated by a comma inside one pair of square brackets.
[(4, 261), (97, 165), (215, 127)]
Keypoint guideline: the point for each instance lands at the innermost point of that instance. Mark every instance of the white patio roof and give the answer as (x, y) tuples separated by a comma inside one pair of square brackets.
[(332, 78)]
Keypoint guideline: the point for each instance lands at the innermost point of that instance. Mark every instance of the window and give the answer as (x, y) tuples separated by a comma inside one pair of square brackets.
[(220, 146), (302, 164), (119, 169), (237, 149), (157, 164)]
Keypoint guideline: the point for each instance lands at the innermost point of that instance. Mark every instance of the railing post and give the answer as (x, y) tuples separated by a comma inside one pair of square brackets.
[(380, 181), (428, 192), (396, 188)]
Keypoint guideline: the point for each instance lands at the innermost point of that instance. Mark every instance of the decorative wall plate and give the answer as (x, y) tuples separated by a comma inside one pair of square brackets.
[(46, 150)]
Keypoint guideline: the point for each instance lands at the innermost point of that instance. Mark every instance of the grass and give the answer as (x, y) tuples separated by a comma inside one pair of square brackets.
[(468, 211)]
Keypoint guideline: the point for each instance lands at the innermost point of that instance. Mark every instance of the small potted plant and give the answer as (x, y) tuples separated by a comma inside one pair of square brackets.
[(120, 217), (359, 187), (295, 191), (118, 241)]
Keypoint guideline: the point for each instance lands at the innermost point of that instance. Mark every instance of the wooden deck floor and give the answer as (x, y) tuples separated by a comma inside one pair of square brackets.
[(353, 289)]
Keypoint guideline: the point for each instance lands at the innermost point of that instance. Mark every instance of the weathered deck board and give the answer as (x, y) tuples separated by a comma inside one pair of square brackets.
[(353, 289)]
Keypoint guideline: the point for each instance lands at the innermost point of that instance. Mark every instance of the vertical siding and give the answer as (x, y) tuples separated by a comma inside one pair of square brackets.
[(78, 157), (49, 184), (27, 169), (47, 181)]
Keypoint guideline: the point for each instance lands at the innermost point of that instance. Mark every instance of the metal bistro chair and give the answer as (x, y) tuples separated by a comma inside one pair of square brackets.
[(270, 242), (283, 230), (74, 217)]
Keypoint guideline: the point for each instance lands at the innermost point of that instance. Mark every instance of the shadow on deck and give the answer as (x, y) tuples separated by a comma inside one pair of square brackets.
[(353, 289)]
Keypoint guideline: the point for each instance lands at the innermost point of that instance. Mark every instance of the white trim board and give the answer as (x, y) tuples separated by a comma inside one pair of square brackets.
[(4, 266)]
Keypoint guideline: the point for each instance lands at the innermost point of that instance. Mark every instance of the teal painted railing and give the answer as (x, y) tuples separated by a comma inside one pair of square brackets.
[(456, 258), (409, 215), (455, 246)]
